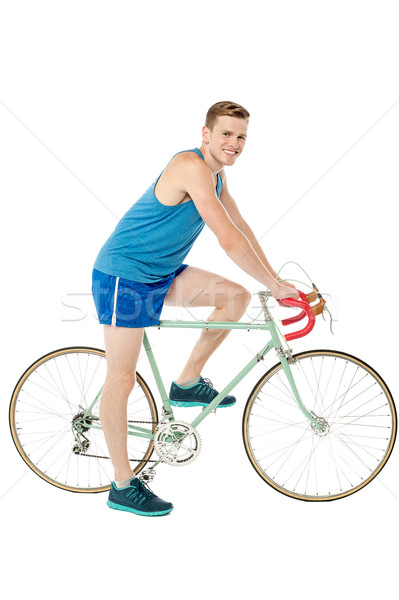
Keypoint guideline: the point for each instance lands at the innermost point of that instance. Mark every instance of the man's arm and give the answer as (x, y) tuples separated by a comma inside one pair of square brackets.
[(197, 180), (235, 215)]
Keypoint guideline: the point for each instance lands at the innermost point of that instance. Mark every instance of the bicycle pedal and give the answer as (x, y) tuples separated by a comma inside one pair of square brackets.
[(147, 476), (212, 411)]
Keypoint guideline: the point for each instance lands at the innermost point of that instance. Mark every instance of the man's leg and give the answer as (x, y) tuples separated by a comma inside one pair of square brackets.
[(127, 493), (196, 287), (122, 348)]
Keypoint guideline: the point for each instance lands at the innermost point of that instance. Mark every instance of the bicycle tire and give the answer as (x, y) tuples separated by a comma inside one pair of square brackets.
[(49, 395), (288, 453)]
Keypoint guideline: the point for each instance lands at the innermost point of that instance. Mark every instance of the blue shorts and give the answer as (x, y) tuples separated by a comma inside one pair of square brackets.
[(126, 303)]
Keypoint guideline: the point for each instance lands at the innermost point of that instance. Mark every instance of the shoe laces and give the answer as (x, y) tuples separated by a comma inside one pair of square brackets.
[(207, 382), (145, 490), (140, 493)]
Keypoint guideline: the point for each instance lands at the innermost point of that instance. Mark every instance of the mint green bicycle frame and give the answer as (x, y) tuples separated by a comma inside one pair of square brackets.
[(274, 342)]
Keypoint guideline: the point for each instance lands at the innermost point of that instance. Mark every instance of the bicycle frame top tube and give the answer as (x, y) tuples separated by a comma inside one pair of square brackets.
[(268, 325)]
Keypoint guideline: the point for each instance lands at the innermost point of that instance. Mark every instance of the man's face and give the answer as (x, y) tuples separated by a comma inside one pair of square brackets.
[(227, 139)]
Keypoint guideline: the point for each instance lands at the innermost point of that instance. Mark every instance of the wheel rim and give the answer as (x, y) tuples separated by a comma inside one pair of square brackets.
[(49, 397), (292, 455)]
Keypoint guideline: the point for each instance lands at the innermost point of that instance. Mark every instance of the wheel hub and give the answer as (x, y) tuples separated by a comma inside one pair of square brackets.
[(324, 428)]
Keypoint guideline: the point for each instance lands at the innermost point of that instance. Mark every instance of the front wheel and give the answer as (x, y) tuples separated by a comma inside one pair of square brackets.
[(49, 427), (299, 460)]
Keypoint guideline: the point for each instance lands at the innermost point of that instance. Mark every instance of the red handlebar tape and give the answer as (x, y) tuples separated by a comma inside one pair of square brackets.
[(301, 315), (306, 311)]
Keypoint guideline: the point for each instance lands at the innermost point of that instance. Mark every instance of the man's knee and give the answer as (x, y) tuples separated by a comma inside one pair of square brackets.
[(238, 300), (120, 381), (245, 297)]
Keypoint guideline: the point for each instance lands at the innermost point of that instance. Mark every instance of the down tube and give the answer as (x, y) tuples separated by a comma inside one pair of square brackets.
[(205, 412)]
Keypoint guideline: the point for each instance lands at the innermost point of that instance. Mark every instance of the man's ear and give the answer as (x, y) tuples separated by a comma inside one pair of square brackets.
[(205, 134)]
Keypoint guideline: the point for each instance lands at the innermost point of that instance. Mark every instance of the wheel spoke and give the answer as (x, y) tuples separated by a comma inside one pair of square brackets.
[(47, 402), (359, 429)]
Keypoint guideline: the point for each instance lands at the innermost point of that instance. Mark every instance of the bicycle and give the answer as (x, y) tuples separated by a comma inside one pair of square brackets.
[(318, 425)]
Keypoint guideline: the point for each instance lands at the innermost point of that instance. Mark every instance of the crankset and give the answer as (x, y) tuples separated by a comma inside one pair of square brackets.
[(177, 443)]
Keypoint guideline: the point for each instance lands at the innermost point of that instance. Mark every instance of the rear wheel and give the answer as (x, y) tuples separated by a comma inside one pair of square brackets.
[(48, 426), (297, 459)]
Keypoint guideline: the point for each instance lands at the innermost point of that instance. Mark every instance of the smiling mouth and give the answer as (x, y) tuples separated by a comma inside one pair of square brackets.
[(230, 152)]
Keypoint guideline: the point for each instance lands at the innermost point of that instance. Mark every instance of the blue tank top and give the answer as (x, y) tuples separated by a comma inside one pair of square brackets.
[(152, 239)]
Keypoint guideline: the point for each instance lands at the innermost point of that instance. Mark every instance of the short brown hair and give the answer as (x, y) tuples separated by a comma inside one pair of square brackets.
[(230, 109)]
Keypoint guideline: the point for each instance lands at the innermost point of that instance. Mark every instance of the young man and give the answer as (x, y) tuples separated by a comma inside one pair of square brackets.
[(140, 268)]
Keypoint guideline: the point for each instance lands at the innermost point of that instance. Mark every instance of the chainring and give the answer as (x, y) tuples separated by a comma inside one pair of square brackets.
[(177, 443)]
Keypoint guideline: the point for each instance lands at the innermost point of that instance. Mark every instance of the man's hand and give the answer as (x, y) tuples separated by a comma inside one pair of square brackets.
[(282, 290), (286, 283)]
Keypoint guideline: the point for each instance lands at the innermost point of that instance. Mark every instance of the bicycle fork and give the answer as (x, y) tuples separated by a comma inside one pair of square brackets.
[(319, 424)]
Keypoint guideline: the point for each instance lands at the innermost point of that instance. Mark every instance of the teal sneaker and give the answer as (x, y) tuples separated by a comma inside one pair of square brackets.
[(199, 394), (139, 499)]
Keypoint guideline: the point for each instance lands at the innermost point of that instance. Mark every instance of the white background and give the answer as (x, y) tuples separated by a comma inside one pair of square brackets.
[(95, 97)]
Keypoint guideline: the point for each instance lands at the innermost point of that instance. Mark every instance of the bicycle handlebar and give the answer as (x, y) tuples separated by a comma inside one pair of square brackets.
[(300, 315), (310, 311)]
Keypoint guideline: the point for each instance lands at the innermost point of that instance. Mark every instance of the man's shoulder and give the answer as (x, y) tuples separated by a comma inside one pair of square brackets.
[(188, 162), (187, 157)]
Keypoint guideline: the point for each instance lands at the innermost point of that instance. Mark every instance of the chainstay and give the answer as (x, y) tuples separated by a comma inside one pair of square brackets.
[(108, 458)]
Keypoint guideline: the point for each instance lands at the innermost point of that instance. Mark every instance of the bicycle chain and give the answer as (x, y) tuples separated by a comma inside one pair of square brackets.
[(130, 459), (145, 422), (108, 458)]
